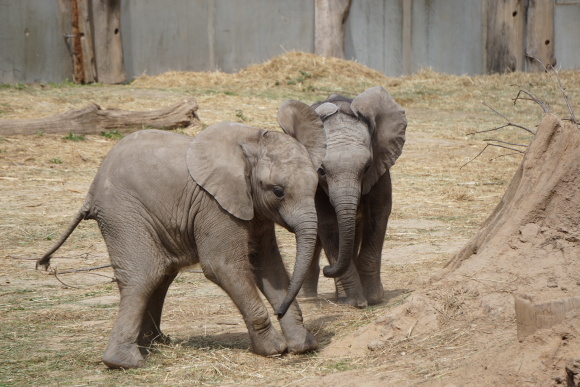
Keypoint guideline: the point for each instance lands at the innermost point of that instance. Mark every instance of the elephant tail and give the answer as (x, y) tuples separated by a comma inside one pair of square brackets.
[(82, 214)]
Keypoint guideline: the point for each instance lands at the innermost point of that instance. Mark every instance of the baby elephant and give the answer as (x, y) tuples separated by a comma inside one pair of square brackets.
[(164, 201)]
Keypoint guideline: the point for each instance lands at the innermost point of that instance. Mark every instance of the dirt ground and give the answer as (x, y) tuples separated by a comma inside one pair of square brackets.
[(433, 328)]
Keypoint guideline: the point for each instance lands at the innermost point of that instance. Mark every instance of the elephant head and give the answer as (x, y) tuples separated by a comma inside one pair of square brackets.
[(365, 136), (266, 175)]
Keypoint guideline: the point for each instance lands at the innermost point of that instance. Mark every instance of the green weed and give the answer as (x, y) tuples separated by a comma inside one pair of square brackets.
[(74, 137), (241, 116), (113, 134), (55, 160)]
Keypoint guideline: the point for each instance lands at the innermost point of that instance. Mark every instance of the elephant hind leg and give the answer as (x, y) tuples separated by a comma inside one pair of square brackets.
[(122, 350), (140, 287), (151, 325)]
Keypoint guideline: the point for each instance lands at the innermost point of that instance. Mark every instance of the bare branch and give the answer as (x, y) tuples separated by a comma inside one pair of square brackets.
[(507, 154), (488, 130), (507, 147), (81, 256), (558, 83), (509, 123), (516, 151), (23, 258), (85, 269), (59, 280), (496, 112), (534, 98), (505, 142), (473, 159)]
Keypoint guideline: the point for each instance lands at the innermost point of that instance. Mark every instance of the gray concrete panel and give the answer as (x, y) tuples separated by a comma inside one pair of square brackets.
[(446, 36), (374, 35), (32, 44), (567, 36), (247, 33), (164, 36)]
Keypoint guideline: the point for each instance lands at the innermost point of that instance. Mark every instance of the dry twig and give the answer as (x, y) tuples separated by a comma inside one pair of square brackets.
[(559, 84), (534, 98)]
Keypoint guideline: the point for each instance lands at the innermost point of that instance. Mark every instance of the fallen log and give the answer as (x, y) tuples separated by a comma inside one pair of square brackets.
[(93, 119)]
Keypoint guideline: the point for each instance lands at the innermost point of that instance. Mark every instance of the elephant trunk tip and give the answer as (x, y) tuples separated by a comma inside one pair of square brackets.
[(334, 271), (282, 309)]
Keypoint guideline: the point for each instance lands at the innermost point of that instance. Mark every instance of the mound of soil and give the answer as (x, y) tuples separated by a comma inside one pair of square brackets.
[(506, 308)]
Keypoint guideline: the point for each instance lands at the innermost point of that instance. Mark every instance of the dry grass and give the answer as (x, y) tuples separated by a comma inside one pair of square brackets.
[(55, 334)]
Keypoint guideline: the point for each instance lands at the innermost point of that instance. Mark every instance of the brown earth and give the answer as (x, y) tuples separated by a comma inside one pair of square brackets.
[(445, 320)]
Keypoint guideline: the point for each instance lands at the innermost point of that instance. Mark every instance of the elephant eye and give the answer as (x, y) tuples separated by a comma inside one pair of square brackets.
[(278, 191), (321, 172), (367, 166)]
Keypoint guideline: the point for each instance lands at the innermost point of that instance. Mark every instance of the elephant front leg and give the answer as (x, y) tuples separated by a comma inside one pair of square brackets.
[(239, 285), (348, 286), (310, 286), (349, 289), (376, 207), (228, 266), (272, 279)]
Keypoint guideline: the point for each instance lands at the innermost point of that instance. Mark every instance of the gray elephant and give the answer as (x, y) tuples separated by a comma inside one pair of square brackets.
[(365, 136), (164, 201)]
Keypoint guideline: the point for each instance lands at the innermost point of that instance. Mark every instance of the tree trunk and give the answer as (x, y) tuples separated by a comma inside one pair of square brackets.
[(92, 119), (329, 21)]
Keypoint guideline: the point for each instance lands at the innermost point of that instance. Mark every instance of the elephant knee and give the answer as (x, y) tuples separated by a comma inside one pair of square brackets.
[(260, 323)]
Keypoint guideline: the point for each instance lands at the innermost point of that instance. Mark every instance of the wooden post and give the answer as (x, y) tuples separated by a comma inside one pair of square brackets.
[(86, 41), (108, 49), (329, 19), (77, 52), (504, 45), (540, 35)]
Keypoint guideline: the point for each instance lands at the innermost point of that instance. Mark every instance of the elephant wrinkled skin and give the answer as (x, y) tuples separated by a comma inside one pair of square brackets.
[(365, 136), (164, 201)]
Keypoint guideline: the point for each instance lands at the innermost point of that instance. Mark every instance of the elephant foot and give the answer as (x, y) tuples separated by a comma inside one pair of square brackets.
[(150, 338), (307, 293), (352, 298), (302, 343), (123, 356), (374, 294), (356, 301), (268, 342)]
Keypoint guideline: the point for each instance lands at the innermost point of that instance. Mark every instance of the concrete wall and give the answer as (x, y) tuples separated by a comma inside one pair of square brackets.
[(567, 34), (224, 35), (393, 36), (32, 42)]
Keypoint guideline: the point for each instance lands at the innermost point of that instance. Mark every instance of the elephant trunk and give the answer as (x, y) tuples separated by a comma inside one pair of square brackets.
[(345, 206), (306, 234)]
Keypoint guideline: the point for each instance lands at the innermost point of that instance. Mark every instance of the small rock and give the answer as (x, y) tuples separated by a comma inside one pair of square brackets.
[(552, 283), (375, 344), (529, 232)]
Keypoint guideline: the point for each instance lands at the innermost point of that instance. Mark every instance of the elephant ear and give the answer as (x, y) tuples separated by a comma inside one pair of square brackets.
[(301, 122), (217, 161), (326, 110), (387, 124)]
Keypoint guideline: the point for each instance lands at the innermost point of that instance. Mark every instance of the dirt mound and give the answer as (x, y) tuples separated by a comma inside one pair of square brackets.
[(525, 257)]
